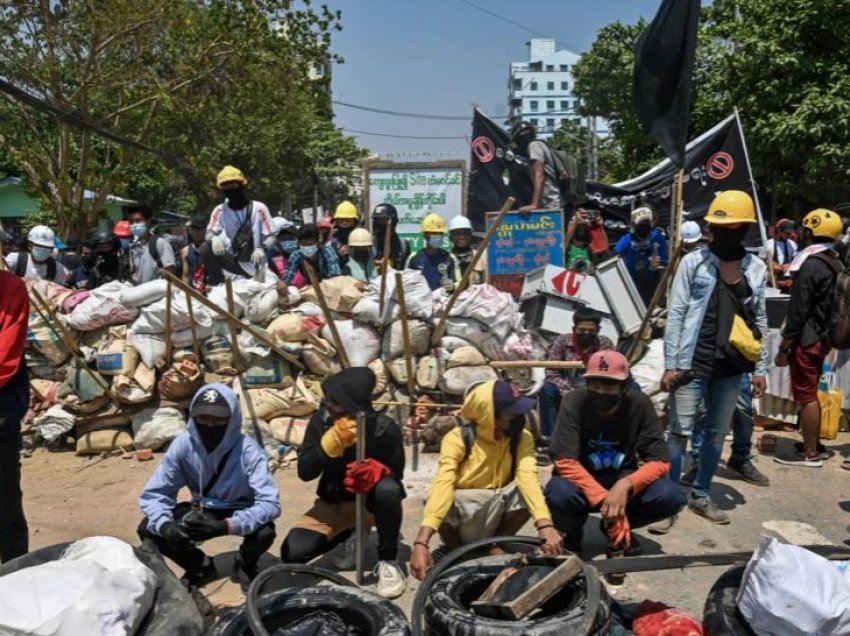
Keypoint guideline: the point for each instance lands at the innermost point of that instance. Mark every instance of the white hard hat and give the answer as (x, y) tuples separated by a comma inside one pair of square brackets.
[(360, 238), (641, 214), (691, 232), (42, 235), (459, 223), (280, 224)]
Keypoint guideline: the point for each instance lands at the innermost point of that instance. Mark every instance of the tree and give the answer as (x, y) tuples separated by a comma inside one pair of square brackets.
[(572, 137)]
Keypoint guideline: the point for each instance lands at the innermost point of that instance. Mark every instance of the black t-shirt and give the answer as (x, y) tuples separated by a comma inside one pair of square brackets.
[(726, 301), (609, 445)]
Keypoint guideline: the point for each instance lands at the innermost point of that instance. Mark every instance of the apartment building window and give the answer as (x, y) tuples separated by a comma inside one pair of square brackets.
[(565, 105), (533, 121), (550, 86), (550, 124), (517, 84), (565, 86), (550, 67), (550, 105), (533, 86), (565, 68), (533, 105)]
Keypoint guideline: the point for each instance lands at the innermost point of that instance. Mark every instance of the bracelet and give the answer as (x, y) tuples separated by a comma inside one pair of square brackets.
[(545, 527), (422, 543)]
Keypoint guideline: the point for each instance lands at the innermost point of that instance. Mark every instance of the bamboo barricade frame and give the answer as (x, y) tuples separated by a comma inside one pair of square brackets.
[(314, 281), (230, 318), (537, 364), (360, 502), (196, 346), (482, 246), (408, 362), (168, 345), (385, 265)]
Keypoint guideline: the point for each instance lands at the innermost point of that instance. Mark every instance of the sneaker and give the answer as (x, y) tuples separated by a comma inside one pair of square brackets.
[(747, 471), (391, 583), (346, 553), (823, 453), (664, 526), (705, 507), (795, 458), (690, 477)]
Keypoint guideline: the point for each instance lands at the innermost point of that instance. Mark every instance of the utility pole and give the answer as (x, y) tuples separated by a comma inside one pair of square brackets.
[(316, 195)]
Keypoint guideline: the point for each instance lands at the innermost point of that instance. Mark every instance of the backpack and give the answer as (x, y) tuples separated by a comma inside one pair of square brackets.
[(569, 173), (838, 320), (23, 261), (153, 250), (467, 434)]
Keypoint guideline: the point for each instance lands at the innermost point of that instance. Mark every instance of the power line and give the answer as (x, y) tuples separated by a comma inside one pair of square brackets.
[(374, 134), (456, 117)]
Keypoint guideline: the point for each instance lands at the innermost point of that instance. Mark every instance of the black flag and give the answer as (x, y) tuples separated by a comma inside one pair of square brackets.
[(664, 64)]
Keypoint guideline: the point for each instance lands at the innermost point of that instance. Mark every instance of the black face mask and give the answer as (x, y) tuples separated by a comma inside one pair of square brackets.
[(516, 426), (236, 199), (586, 340), (642, 230), (359, 254), (342, 234), (88, 261), (604, 402), (726, 244), (211, 436)]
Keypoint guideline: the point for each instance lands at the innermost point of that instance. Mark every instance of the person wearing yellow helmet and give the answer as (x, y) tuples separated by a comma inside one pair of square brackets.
[(346, 218), (713, 339), (804, 345), (439, 266), (238, 230)]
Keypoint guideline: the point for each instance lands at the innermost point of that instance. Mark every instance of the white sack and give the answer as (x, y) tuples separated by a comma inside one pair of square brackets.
[(456, 381), (54, 423), (153, 428), (361, 343), (393, 339), (471, 330), (151, 348), (261, 306), (100, 311), (487, 305), (144, 294), (152, 318)]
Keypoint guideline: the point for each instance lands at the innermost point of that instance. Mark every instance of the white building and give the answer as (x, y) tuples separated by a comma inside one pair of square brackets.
[(540, 91)]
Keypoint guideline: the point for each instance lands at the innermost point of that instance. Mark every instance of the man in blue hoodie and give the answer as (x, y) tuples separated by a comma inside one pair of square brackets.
[(231, 487)]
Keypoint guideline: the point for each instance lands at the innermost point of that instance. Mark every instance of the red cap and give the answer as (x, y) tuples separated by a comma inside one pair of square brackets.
[(607, 365), (326, 223), (122, 230)]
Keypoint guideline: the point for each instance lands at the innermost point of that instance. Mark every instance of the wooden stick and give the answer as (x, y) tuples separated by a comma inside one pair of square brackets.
[(168, 344), (385, 260), (314, 281), (229, 317), (234, 331), (196, 346), (427, 405), (360, 502), (536, 364), (408, 362), (482, 246)]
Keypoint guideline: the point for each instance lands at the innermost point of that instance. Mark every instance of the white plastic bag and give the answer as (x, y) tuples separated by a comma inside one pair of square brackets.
[(153, 428), (789, 591), (54, 423)]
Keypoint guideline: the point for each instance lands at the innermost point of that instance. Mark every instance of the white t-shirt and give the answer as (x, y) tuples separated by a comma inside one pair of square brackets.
[(550, 198), (37, 270), (783, 251), (224, 219)]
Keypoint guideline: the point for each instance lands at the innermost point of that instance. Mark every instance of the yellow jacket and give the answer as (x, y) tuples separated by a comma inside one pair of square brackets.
[(488, 465)]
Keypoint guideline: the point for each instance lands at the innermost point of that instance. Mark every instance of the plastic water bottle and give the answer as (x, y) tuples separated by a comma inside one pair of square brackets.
[(825, 376), (196, 513)]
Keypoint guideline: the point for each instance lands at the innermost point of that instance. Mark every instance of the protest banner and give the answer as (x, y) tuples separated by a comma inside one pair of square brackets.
[(415, 189)]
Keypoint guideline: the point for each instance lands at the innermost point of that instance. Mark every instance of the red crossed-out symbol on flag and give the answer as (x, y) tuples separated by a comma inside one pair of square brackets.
[(720, 165), (484, 148)]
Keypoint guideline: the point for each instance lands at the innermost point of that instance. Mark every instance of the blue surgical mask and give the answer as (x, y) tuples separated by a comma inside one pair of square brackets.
[(139, 229), (39, 253), (435, 242), (289, 246), (309, 250)]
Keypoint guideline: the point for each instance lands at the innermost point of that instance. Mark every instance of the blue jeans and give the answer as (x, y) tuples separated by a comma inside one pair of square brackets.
[(569, 507), (742, 425), (708, 403), (550, 402)]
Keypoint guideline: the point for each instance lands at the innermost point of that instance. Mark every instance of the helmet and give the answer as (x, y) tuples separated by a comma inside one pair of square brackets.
[(43, 236), (823, 222), (691, 232), (198, 221), (102, 236), (459, 222), (122, 230), (608, 365), (346, 210), (385, 211), (433, 223), (279, 224), (326, 223), (360, 238), (229, 173), (786, 225), (731, 206), (639, 215)]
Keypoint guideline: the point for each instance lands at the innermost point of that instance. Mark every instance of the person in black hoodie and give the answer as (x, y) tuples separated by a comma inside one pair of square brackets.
[(385, 219), (328, 452)]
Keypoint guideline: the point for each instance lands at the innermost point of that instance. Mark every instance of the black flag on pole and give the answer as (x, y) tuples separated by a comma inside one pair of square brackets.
[(661, 84)]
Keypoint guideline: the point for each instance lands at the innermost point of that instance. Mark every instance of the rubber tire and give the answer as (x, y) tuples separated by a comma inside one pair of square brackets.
[(365, 609), (721, 615), (173, 611), (446, 614)]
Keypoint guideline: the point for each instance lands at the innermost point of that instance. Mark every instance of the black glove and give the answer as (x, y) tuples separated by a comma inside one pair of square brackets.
[(175, 536), (203, 528)]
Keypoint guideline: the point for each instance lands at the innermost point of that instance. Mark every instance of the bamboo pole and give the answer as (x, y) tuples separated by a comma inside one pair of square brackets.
[(536, 364), (230, 318), (428, 405), (385, 265), (408, 361), (234, 331), (314, 281), (360, 502), (482, 247), (168, 344), (196, 347)]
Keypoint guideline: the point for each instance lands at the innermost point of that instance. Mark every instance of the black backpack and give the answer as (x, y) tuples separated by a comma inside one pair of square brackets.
[(468, 434), (23, 261), (570, 175), (838, 320)]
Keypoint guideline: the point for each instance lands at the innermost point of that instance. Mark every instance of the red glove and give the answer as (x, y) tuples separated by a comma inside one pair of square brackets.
[(361, 477)]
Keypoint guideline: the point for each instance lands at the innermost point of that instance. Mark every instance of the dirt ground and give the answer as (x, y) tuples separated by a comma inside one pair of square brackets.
[(68, 497)]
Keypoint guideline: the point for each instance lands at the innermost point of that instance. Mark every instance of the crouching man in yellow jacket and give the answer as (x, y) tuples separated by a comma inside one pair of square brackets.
[(487, 483)]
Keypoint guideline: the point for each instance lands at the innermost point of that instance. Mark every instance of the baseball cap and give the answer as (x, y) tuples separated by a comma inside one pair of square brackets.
[(607, 365), (785, 224), (210, 401), (507, 398), (198, 220)]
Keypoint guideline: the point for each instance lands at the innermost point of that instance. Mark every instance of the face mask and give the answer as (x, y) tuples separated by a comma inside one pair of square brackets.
[(360, 254), (642, 230), (726, 244), (604, 402), (342, 234), (435, 242), (236, 199), (289, 246), (211, 436), (309, 250), (586, 340), (517, 424), (39, 253), (139, 229), (88, 261)]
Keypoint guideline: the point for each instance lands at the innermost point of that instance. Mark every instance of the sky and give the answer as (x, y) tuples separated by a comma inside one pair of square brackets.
[(440, 57)]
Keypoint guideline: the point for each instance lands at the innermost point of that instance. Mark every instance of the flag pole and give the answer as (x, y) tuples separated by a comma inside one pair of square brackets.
[(762, 230)]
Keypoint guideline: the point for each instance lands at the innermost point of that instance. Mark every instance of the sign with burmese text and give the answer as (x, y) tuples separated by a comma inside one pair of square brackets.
[(525, 242)]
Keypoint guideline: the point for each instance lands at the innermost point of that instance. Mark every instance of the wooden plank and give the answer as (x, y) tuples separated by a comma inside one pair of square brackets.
[(536, 364), (329, 318)]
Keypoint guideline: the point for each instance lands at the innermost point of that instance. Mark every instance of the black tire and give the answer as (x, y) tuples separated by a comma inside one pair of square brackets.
[(173, 611), (371, 614), (583, 607), (721, 615)]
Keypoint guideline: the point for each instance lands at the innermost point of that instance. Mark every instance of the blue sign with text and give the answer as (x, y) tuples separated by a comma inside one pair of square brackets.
[(525, 242)]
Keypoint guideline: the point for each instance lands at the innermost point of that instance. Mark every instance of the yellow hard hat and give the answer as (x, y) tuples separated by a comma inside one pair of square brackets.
[(731, 206), (360, 238), (433, 223), (230, 173), (346, 210), (823, 222)]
